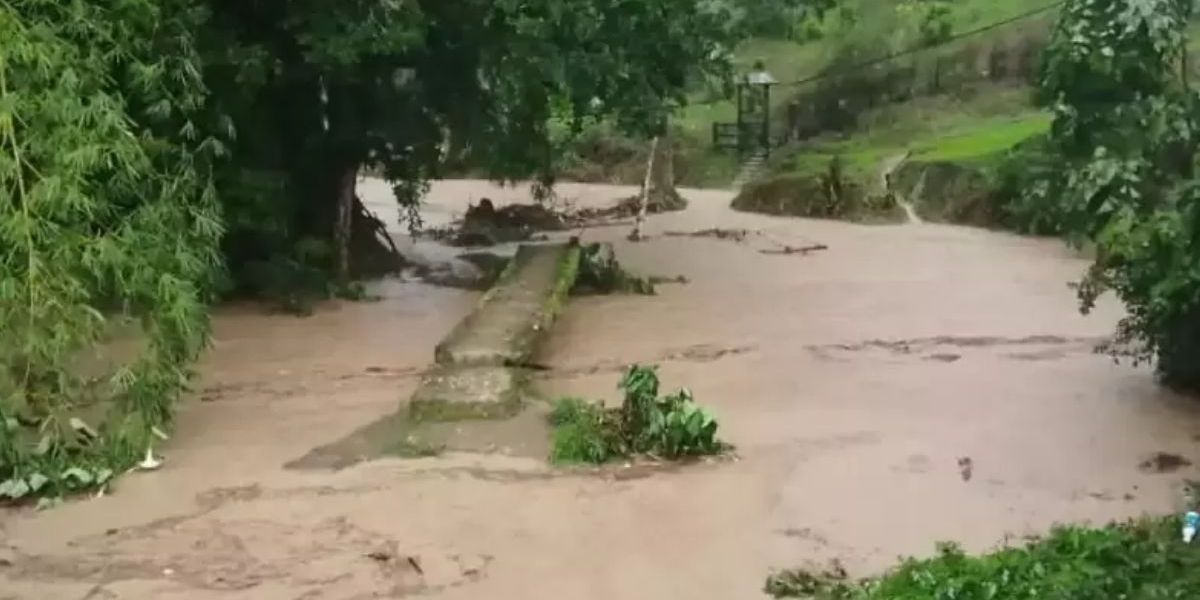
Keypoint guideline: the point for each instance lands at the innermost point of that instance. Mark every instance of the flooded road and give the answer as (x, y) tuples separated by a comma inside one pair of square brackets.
[(907, 385)]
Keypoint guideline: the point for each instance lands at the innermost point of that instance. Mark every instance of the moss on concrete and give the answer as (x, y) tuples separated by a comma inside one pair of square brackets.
[(564, 281)]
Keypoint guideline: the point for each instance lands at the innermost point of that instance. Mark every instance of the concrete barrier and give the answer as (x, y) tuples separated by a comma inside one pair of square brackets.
[(479, 367)]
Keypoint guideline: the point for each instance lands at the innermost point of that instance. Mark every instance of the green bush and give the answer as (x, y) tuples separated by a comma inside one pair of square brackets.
[(781, 19), (1125, 138), (1142, 560), (581, 432), (601, 273), (108, 223), (671, 426), (1029, 190)]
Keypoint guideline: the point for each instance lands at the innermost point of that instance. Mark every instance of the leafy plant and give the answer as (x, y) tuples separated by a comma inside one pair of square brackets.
[(1140, 560), (1126, 132), (672, 426), (601, 273), (582, 433), (108, 229), (788, 19)]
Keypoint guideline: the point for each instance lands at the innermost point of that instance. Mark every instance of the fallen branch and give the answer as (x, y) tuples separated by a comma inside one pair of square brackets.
[(736, 235), (803, 250)]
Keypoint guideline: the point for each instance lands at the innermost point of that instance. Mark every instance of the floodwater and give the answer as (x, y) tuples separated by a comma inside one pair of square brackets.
[(907, 385)]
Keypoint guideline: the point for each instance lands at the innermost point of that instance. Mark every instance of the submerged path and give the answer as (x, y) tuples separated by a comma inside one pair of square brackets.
[(853, 381)]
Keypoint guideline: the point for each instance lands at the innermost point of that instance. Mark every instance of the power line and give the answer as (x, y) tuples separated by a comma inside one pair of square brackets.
[(831, 71)]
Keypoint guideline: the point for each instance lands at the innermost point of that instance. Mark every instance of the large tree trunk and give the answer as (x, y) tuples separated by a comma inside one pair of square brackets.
[(663, 180), (343, 227), (662, 195)]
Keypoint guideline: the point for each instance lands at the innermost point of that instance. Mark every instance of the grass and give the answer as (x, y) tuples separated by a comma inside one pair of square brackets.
[(972, 132), (970, 14), (987, 139), (580, 433), (1140, 560), (701, 165), (944, 128)]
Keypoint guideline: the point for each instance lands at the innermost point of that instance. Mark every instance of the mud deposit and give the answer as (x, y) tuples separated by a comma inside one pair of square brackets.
[(910, 384)]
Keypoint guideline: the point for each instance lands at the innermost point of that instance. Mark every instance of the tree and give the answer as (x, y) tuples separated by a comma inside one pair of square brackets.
[(126, 126), (1126, 132), (318, 92), (781, 18)]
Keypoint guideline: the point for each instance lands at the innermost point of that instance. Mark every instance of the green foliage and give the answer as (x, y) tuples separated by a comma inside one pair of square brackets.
[(1126, 134), (1141, 560), (107, 218), (124, 123), (781, 19), (1028, 189), (414, 88), (582, 433), (671, 426), (601, 273)]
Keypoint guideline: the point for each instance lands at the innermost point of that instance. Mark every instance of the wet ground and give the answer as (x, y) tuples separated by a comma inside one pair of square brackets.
[(908, 384)]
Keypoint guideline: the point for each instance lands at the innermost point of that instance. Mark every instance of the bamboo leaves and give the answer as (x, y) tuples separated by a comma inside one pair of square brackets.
[(103, 213)]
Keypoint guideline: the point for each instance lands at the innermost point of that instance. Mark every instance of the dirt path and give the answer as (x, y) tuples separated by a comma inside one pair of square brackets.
[(851, 382)]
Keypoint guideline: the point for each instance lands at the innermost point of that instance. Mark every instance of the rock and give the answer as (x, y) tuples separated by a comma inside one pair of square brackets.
[(455, 274)]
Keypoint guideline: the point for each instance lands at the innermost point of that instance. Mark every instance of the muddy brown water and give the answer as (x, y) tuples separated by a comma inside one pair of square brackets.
[(853, 381)]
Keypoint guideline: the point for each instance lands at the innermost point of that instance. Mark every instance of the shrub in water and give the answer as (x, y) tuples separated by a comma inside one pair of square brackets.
[(672, 426)]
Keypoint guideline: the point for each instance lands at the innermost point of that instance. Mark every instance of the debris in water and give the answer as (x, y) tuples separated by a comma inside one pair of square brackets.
[(966, 467), (1163, 462), (802, 250), (415, 564), (1191, 520), (659, 280), (946, 358), (803, 583), (734, 235)]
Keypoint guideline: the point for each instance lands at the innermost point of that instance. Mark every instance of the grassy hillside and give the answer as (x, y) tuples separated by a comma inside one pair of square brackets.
[(881, 26), (951, 148), (986, 123)]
